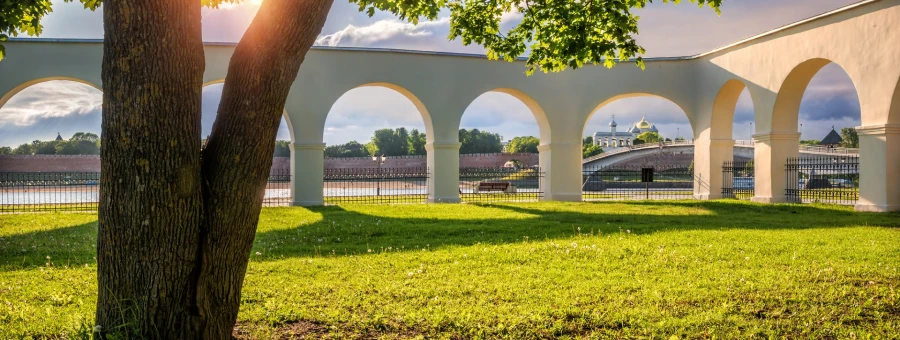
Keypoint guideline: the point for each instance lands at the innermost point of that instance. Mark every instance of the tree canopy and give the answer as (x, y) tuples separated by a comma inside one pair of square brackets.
[(648, 137), (349, 149), (477, 141), (526, 144), (850, 138), (282, 148), (589, 150), (552, 35)]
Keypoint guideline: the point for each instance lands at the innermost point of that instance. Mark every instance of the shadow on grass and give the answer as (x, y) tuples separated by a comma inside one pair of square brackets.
[(360, 230), (67, 246)]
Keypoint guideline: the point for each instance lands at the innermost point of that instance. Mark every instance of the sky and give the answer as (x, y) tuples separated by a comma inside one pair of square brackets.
[(43, 110)]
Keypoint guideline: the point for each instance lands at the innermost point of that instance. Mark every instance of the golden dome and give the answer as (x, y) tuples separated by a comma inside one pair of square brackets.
[(643, 124)]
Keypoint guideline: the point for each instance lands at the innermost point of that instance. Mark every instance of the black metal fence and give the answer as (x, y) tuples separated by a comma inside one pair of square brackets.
[(738, 180), (278, 189), (56, 191), (622, 182), (825, 179), (80, 191), (500, 184), (376, 185)]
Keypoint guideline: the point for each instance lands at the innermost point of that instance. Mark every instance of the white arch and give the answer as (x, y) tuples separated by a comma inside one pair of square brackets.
[(536, 110), (786, 113), (632, 95), (7, 96), (417, 103), (284, 113), (724, 107)]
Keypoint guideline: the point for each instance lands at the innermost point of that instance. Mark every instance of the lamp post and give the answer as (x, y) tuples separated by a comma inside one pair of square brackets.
[(751, 134), (380, 162)]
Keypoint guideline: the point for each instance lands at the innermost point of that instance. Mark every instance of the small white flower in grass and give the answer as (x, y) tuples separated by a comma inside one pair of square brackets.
[(48, 257), (628, 231), (420, 271), (465, 255), (410, 274), (370, 250), (258, 253), (98, 329)]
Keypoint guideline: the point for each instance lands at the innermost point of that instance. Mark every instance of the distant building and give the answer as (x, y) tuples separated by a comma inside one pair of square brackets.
[(613, 139), (833, 139), (58, 137)]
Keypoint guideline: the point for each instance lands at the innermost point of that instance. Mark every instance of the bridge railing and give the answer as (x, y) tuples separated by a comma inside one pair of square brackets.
[(629, 148), (825, 149), (745, 143)]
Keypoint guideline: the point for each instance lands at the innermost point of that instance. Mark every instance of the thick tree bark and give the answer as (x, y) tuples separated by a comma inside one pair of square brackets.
[(150, 193), (238, 155), (175, 233)]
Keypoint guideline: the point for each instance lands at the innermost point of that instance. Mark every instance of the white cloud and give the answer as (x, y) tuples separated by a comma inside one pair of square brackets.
[(52, 99), (384, 31)]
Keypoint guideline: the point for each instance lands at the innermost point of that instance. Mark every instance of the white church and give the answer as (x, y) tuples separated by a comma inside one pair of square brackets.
[(613, 139)]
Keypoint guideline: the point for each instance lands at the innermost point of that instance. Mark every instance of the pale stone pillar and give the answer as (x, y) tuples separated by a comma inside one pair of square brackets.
[(443, 163), (709, 154), (879, 166), (561, 164), (307, 172), (771, 152)]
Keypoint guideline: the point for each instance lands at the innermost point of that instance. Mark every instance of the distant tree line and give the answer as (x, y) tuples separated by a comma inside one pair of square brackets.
[(526, 144), (400, 142), (809, 142), (403, 142), (81, 143), (850, 139)]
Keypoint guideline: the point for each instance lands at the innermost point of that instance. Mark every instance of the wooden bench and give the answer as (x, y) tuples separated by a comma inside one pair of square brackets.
[(494, 187)]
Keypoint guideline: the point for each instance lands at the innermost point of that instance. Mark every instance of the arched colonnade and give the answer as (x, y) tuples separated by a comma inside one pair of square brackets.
[(775, 66)]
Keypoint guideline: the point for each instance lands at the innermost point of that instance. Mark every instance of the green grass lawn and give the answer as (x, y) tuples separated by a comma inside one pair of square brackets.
[(687, 269)]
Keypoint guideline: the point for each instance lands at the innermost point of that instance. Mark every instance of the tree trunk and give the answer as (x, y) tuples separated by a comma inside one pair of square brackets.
[(150, 194), (238, 155), (175, 233)]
